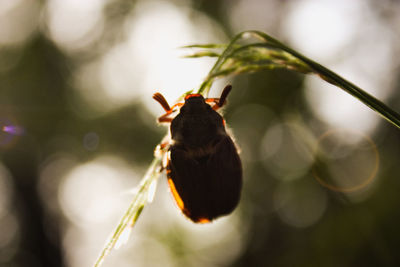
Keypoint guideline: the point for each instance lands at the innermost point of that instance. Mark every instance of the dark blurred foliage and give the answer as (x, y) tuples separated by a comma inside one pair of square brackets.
[(37, 94)]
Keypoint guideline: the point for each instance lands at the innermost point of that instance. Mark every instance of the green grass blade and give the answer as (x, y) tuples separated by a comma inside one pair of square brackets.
[(236, 59), (205, 46), (202, 54), (333, 78), (130, 217)]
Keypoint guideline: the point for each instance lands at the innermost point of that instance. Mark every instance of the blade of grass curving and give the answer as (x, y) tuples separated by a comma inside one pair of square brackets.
[(248, 68), (213, 46), (202, 54), (142, 196), (206, 85), (281, 55), (265, 55), (231, 51), (331, 77)]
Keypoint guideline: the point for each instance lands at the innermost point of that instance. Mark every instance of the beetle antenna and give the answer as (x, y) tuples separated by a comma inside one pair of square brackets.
[(224, 95), (161, 99)]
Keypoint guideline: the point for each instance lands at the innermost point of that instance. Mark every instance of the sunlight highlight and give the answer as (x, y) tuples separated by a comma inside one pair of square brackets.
[(88, 193), (203, 220), (74, 25), (123, 238), (18, 21), (152, 191), (149, 58), (176, 195)]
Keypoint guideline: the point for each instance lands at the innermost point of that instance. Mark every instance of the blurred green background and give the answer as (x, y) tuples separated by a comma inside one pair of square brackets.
[(78, 128)]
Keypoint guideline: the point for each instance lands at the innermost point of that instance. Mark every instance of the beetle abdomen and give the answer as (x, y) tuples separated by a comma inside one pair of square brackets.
[(208, 185)]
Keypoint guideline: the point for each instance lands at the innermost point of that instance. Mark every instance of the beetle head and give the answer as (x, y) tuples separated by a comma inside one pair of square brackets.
[(195, 105)]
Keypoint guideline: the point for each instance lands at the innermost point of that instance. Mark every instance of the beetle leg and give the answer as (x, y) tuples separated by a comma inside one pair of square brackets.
[(163, 102), (165, 118), (214, 102), (219, 102), (161, 151)]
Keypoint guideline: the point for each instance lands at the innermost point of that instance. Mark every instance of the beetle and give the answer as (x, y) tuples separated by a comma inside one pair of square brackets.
[(203, 166)]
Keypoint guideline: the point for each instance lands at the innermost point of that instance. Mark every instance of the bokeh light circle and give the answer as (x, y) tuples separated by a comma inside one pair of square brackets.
[(285, 151), (300, 203), (337, 152)]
